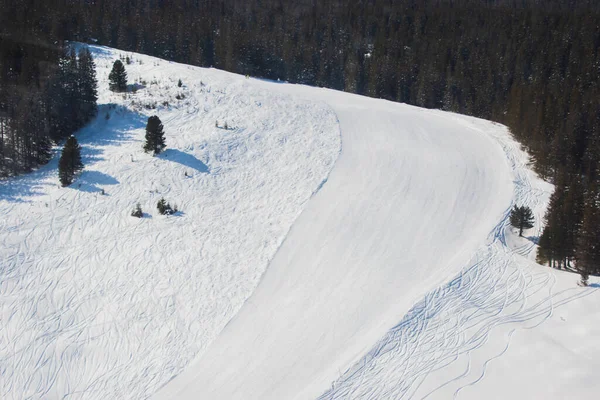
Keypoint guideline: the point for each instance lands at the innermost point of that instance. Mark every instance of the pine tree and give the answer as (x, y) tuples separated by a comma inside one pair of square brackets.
[(155, 136), (70, 161), (588, 243), (87, 86), (521, 218), (163, 207), (117, 79), (137, 211), (62, 93)]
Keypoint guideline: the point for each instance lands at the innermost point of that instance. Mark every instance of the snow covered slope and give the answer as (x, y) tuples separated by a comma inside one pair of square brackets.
[(97, 304), (505, 327), (398, 279), (417, 198), (412, 197)]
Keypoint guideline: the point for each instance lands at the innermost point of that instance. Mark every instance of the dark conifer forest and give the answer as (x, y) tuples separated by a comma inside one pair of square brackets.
[(46, 93), (533, 65)]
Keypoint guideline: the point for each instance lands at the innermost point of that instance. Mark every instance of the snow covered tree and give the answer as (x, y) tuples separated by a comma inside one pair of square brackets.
[(155, 136), (70, 161), (117, 79), (521, 218)]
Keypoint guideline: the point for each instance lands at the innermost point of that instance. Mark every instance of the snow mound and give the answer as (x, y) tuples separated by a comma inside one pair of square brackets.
[(97, 304)]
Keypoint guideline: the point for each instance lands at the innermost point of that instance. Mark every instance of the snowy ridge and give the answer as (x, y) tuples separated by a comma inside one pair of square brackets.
[(447, 341), (97, 304)]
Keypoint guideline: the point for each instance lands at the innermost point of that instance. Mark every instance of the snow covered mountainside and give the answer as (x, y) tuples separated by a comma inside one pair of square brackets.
[(97, 304), (417, 198), (328, 246)]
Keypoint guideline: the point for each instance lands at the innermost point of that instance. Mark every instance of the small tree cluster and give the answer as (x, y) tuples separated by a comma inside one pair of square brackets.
[(165, 208), (117, 79), (521, 218), (137, 211), (155, 136), (70, 162)]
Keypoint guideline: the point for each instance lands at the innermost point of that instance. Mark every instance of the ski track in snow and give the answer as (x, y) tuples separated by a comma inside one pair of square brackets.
[(430, 353), (97, 304), (410, 200)]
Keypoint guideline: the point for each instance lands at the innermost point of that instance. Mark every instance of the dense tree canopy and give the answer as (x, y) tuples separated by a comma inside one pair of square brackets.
[(46, 94)]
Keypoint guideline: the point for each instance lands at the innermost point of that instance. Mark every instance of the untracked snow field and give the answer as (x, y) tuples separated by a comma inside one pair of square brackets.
[(328, 246)]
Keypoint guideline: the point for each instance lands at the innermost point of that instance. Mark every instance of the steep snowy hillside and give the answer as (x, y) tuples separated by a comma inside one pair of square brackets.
[(97, 304)]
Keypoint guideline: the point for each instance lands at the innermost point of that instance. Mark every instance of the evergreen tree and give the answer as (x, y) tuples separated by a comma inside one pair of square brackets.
[(588, 243), (521, 218), (70, 161), (117, 79), (137, 211), (63, 98), (155, 136), (87, 86), (164, 208)]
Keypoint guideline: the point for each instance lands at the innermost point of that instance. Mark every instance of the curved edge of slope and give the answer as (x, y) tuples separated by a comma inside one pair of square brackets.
[(445, 343), (292, 334)]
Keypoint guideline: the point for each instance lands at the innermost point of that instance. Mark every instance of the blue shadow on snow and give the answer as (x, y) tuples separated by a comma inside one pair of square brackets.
[(88, 181), (185, 159)]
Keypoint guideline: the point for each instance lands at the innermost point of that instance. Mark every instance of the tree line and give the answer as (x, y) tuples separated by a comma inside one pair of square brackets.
[(47, 92), (532, 65)]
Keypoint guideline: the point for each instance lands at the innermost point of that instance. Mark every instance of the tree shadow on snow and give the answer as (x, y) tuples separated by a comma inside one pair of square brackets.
[(18, 189), (533, 239), (113, 126), (101, 132), (134, 87), (90, 181), (185, 159)]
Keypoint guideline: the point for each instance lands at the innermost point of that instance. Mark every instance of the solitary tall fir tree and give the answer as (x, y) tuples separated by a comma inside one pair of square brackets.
[(155, 136), (70, 162), (117, 79), (521, 218)]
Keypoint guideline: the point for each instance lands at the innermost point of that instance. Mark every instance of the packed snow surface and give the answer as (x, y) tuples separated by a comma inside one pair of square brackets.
[(504, 328), (97, 304), (400, 278)]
